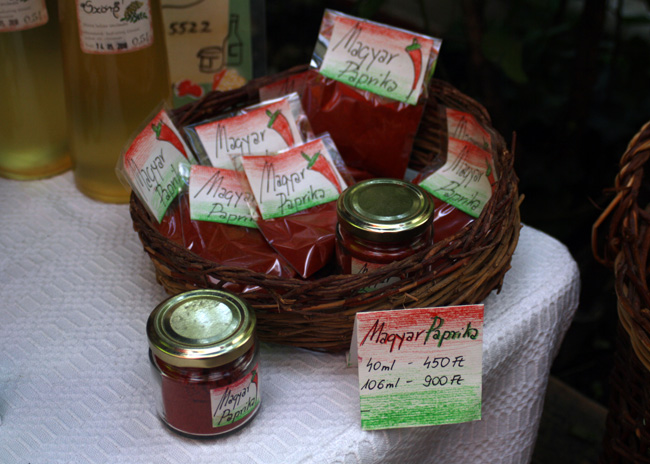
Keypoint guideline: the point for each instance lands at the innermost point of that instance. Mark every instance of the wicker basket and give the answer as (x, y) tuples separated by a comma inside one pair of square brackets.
[(319, 314), (621, 241)]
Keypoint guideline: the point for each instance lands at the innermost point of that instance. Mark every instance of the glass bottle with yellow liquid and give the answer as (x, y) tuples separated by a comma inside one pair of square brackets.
[(116, 74), (33, 136)]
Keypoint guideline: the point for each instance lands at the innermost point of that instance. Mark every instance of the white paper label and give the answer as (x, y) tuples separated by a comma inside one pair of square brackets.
[(218, 195), (237, 401), (358, 266), (293, 180), (464, 126), (156, 163), (16, 15), (465, 180), (383, 60), (261, 131), (114, 26)]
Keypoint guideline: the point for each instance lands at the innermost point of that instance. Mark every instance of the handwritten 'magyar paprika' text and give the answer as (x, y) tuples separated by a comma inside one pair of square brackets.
[(155, 176), (363, 57), (377, 334)]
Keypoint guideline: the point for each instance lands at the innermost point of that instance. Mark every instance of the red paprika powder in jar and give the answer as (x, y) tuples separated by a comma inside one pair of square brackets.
[(204, 358), (381, 221)]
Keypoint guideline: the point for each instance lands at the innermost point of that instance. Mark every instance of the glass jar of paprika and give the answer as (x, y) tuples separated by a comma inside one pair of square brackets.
[(204, 358), (380, 221)]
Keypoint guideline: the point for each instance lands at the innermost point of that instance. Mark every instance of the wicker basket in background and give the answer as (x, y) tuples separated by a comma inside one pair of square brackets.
[(621, 241), (319, 313)]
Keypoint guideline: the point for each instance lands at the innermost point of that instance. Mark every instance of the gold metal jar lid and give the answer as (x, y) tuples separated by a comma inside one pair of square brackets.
[(201, 328), (385, 210)]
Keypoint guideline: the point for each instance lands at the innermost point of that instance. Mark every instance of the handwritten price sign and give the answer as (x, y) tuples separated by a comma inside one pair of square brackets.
[(419, 367)]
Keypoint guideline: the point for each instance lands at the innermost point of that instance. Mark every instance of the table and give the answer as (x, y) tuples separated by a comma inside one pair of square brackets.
[(76, 289)]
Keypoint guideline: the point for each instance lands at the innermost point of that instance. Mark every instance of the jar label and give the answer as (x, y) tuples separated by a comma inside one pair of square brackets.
[(235, 402), (465, 180), (114, 26), (359, 266), (384, 60), (295, 179), (219, 195), (17, 15)]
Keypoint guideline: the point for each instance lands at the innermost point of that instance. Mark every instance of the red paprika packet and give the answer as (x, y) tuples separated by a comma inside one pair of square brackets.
[(224, 244), (295, 194), (367, 89), (231, 246), (462, 179)]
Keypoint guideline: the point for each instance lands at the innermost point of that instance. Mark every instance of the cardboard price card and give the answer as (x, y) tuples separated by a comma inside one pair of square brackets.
[(419, 367)]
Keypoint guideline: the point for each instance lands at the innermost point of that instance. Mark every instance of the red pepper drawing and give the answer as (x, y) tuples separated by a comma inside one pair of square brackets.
[(415, 53), (278, 122), (489, 173), (166, 134), (254, 379), (216, 79), (187, 87), (318, 163)]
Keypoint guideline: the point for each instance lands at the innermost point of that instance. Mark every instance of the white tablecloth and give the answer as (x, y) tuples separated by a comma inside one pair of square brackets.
[(76, 289)]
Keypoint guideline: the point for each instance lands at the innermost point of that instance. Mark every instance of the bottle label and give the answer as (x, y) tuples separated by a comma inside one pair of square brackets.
[(114, 26), (295, 179), (17, 15), (235, 402)]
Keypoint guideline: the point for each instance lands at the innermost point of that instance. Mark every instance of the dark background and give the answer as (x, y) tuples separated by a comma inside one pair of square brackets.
[(569, 78)]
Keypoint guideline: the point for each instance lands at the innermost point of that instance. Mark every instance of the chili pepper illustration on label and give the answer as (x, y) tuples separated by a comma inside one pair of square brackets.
[(278, 122)]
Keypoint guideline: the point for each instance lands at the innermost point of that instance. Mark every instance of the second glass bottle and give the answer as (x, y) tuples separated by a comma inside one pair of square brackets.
[(116, 74)]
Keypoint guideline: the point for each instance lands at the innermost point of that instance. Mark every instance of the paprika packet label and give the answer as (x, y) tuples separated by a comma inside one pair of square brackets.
[(237, 401), (381, 59), (464, 126), (295, 179), (419, 367), (18, 15), (465, 180), (108, 27), (218, 195), (156, 165), (259, 130)]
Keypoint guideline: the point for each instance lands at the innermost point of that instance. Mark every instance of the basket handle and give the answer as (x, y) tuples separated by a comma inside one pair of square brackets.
[(621, 212)]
